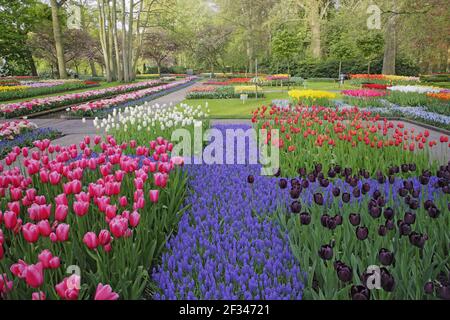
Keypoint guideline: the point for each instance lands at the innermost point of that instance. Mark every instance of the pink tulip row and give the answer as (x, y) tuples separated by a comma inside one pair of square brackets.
[(86, 95), (66, 197), (108, 103), (364, 93), (10, 129)]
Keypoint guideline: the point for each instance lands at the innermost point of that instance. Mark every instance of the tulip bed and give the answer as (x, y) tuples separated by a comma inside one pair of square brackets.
[(99, 106), (224, 92), (31, 89), (104, 215), (431, 100), (313, 97), (363, 98), (18, 109)]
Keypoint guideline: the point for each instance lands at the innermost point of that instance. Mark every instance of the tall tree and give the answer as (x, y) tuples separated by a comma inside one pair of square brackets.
[(55, 5)]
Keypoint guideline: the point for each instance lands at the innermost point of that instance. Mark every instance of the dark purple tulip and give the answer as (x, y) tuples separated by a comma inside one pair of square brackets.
[(424, 180), (405, 168), (443, 292), (302, 172), (375, 212), (347, 172), (391, 179), (337, 168), (387, 280), (336, 191), (408, 184), (311, 178), (415, 193), (295, 183), (305, 218), (434, 212), (296, 207), (386, 257), (412, 167), (428, 287), (355, 219), (305, 184), (388, 213), (446, 189), (404, 228), (410, 218), (402, 192), (390, 224), (353, 182), (331, 173), (417, 239), (250, 179), (362, 233), (359, 293), (356, 192), (326, 252), (344, 272), (338, 219), (382, 231), (365, 188), (318, 167), (346, 197), (381, 201), (414, 204), (381, 179), (376, 194), (295, 192), (318, 198), (324, 183), (428, 204), (324, 220), (331, 223), (283, 183)]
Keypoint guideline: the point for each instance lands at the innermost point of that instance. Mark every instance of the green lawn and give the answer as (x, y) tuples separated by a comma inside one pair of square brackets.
[(234, 108), (103, 85)]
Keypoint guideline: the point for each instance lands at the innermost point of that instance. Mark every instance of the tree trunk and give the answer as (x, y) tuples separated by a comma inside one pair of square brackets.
[(126, 74), (93, 69), (116, 41), (58, 40), (390, 42), (130, 42), (104, 40), (314, 23), (32, 64)]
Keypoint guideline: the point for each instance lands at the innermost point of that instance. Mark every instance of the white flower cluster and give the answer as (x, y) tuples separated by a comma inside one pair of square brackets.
[(148, 116), (415, 89)]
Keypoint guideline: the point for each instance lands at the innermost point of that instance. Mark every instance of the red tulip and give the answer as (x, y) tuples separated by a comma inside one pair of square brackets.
[(104, 292), (91, 241), (443, 139)]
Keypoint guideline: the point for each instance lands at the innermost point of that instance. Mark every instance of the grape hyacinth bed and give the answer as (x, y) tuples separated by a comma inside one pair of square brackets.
[(228, 246)]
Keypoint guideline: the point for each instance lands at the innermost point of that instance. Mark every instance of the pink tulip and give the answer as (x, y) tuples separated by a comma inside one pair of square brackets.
[(61, 212), (153, 195), (123, 201), (134, 219), (104, 237), (61, 199), (105, 292), (62, 232), (38, 296), (91, 241), (118, 226), (2, 252), (55, 178), (44, 257), (30, 232), (18, 269), (34, 275), (44, 228), (110, 211), (69, 288), (5, 284), (10, 219), (80, 208)]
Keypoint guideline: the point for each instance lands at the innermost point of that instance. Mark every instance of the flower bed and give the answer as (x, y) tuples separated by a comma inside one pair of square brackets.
[(227, 246), (374, 86), (12, 110), (312, 97), (363, 98), (427, 97), (30, 89), (382, 79), (224, 92), (342, 228), (11, 129), (106, 215), (359, 139), (93, 107)]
